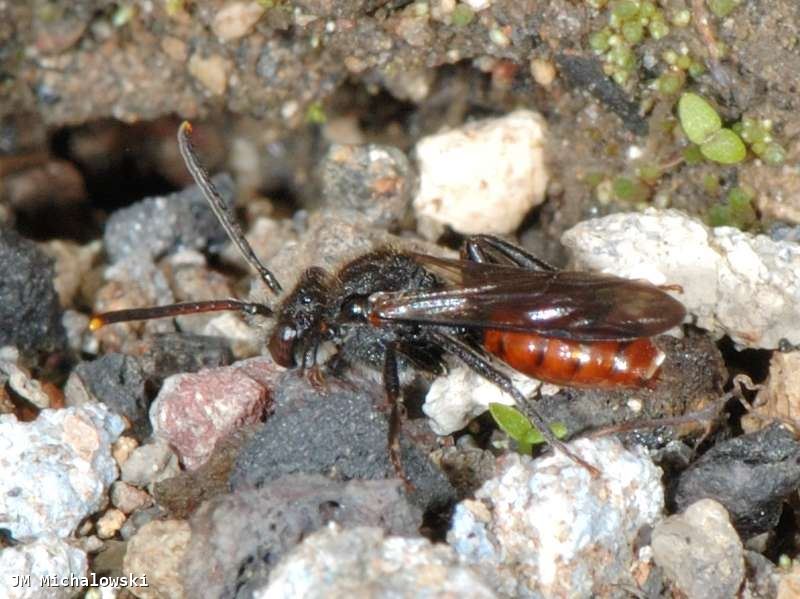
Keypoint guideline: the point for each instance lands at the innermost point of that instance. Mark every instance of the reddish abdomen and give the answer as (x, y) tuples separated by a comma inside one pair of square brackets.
[(564, 362)]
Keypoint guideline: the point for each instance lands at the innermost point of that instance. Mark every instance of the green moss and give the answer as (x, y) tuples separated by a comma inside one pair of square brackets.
[(630, 190), (681, 18), (633, 31), (737, 211), (649, 173), (711, 184), (696, 69), (594, 179), (625, 9), (462, 15), (692, 155), (623, 57), (315, 114), (647, 9), (658, 29), (773, 154), (599, 41), (722, 8), (671, 82)]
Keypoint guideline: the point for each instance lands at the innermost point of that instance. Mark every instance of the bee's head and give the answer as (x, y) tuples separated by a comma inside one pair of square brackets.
[(301, 320)]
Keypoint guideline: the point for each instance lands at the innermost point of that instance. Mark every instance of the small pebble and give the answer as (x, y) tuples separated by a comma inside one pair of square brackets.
[(193, 412), (483, 177), (91, 544), (211, 72), (374, 181), (547, 528), (20, 380), (109, 523), (174, 353), (122, 449), (454, 399), (236, 19), (128, 498), (156, 551), (700, 551), (149, 463), (118, 381), (27, 289), (156, 226), (72, 262)]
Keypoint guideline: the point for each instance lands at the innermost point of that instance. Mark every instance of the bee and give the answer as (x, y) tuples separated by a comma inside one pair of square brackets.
[(391, 308)]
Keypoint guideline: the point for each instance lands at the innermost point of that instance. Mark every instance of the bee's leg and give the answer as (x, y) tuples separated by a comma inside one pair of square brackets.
[(493, 250), (391, 385), (484, 368), (310, 368)]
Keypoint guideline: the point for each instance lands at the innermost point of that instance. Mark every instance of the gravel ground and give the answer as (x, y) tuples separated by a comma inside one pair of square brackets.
[(178, 450)]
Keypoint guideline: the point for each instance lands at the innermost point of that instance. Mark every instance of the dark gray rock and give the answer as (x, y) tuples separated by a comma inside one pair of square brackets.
[(237, 539), (30, 315), (762, 576), (118, 381), (374, 181), (157, 226), (750, 475), (337, 432), (587, 74), (174, 353)]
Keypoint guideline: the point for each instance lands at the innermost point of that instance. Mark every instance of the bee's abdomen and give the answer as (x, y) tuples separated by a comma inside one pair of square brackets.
[(600, 364)]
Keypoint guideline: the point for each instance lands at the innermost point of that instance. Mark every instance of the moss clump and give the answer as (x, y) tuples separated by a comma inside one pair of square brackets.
[(757, 133), (629, 23), (737, 211), (315, 114), (462, 15), (722, 8), (629, 189)]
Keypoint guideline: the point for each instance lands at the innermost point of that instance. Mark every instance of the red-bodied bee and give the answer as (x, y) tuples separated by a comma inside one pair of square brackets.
[(393, 309)]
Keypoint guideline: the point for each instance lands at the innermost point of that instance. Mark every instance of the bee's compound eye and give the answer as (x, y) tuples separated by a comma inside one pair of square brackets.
[(281, 345), (355, 308)]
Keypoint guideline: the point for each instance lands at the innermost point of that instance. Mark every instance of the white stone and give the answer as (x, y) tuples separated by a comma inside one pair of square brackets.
[(56, 470), (20, 379), (483, 177), (734, 283), (365, 562), (455, 399), (547, 528), (47, 557), (478, 4)]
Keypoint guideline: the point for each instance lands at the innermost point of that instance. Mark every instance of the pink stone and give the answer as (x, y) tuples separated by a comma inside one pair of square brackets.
[(193, 412)]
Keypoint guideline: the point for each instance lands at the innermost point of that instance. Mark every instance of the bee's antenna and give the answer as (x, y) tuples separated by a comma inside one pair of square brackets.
[(101, 320), (220, 208)]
